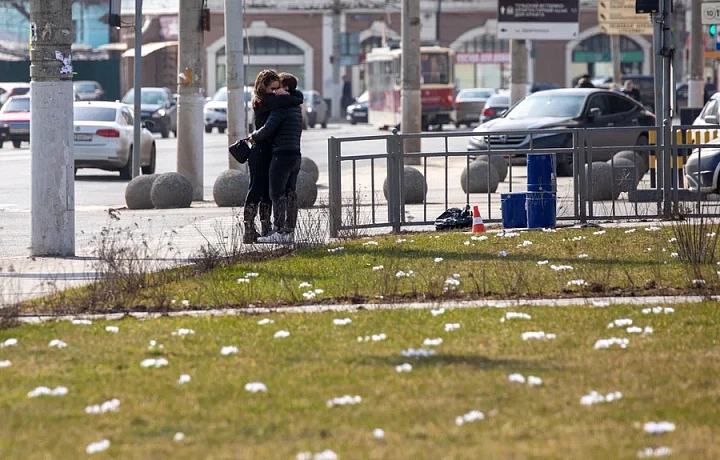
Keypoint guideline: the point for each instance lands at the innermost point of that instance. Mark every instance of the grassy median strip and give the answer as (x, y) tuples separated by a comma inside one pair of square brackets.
[(662, 375)]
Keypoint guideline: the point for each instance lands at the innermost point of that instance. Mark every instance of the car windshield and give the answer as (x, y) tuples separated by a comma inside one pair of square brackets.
[(434, 68), (17, 105), (559, 106), (85, 88), (498, 100), (89, 113), (146, 97), (474, 94)]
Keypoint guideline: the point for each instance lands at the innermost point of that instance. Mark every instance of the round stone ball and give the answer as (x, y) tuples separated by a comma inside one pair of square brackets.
[(171, 190), (306, 190), (310, 167), (231, 188), (638, 159), (600, 182), (483, 178), (414, 186), (625, 174), (500, 163), (137, 192)]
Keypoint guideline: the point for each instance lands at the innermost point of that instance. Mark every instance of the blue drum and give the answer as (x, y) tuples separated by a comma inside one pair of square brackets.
[(541, 172), (541, 209), (513, 210)]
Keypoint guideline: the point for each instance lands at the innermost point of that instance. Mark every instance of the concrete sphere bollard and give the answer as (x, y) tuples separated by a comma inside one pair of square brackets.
[(500, 163), (479, 181), (640, 162), (306, 190), (310, 167), (625, 174), (137, 192), (600, 182), (231, 188), (414, 186), (171, 190)]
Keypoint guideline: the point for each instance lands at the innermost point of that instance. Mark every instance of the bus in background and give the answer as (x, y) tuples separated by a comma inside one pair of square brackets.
[(437, 86)]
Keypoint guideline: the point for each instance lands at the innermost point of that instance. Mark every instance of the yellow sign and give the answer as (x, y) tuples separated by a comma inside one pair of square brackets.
[(617, 17)]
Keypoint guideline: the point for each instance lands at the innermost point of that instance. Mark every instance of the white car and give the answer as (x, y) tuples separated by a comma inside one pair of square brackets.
[(103, 139), (215, 112)]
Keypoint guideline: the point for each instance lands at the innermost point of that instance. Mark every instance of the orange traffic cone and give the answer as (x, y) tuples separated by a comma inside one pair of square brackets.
[(478, 225)]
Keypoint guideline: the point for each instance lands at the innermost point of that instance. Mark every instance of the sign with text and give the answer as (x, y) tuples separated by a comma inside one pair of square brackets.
[(543, 20), (618, 17), (487, 57), (710, 13)]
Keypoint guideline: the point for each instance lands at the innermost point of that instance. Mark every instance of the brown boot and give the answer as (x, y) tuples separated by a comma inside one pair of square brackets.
[(265, 210), (250, 235)]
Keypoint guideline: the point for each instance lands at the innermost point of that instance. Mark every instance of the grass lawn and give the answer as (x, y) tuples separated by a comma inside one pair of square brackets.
[(669, 374), (435, 266)]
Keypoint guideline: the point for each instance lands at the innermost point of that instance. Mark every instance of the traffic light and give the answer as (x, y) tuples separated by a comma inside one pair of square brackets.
[(647, 6), (713, 30)]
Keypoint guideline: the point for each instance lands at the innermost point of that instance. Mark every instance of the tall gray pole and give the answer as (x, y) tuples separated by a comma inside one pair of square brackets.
[(137, 84), (668, 51), (696, 85), (615, 45), (336, 53), (51, 141), (190, 101), (235, 69), (518, 70), (410, 92)]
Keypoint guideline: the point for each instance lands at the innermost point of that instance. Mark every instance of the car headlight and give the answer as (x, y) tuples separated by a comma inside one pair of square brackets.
[(310, 109), (160, 113)]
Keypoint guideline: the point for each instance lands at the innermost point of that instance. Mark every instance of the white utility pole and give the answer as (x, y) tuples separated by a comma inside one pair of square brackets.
[(190, 101), (410, 92), (518, 70), (137, 85), (696, 85), (335, 107), (235, 72), (51, 142)]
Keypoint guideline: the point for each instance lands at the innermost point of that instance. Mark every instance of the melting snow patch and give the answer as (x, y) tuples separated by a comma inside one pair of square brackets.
[(179, 437), (264, 321), (579, 238), (281, 334), (377, 267), (185, 303), (543, 262), (108, 406), (577, 282), (183, 331), (658, 310), (230, 350), (507, 235), (518, 378), (81, 322), (539, 335), (255, 387), (243, 280), (57, 344), (638, 330), (438, 260), (503, 254), (337, 249), (9, 343), (659, 427), (674, 254), (630, 230), (599, 232), (370, 243), (534, 381), (594, 398), (452, 282), (324, 455), (620, 323), (419, 353), (96, 447), (406, 367), (113, 329), (154, 344), (342, 322), (344, 400), (378, 433), (309, 295), (479, 238), (45, 391), (304, 284), (560, 268), (471, 416), (439, 311), (432, 342), (156, 363), (449, 327), (531, 380), (652, 229), (374, 338), (185, 378), (549, 230), (251, 275), (649, 452), (514, 315), (5, 363), (600, 303), (607, 343)]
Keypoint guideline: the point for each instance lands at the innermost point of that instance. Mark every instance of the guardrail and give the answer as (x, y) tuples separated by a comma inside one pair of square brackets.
[(356, 166)]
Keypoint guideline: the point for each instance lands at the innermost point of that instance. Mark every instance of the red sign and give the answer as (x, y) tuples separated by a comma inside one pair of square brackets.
[(488, 57)]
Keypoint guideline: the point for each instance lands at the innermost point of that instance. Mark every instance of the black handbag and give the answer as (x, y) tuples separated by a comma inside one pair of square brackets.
[(240, 150)]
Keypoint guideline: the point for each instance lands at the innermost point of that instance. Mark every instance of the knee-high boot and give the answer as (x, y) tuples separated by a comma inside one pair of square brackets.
[(250, 235), (265, 210)]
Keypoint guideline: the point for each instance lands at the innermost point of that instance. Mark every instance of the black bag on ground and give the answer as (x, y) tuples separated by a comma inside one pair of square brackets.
[(240, 150), (454, 218)]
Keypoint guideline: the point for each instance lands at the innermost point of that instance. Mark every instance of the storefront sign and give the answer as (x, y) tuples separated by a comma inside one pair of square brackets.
[(483, 58)]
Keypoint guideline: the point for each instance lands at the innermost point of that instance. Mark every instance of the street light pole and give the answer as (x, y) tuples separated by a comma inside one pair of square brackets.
[(410, 93), (51, 142), (518, 70), (235, 73), (696, 85)]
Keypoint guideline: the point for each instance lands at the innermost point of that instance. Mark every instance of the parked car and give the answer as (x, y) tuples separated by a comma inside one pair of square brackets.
[(15, 120), (567, 108), (540, 86), (702, 171), (215, 111), (681, 94), (103, 138), (316, 108), (157, 105), (357, 112), (495, 106), (469, 104), (88, 90), (8, 90)]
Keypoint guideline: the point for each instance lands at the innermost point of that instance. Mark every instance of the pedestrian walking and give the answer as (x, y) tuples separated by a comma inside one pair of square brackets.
[(266, 98), (283, 129)]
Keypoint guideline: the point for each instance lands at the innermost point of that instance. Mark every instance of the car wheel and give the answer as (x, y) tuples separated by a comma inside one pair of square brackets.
[(165, 133), (353, 121), (565, 162), (324, 123), (126, 171), (208, 129), (17, 144), (221, 130), (150, 169), (458, 125)]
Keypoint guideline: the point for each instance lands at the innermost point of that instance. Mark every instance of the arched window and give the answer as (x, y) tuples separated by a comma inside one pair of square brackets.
[(594, 56)]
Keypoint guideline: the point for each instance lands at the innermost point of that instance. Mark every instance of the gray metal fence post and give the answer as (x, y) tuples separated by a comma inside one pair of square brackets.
[(335, 186), (582, 179), (394, 171)]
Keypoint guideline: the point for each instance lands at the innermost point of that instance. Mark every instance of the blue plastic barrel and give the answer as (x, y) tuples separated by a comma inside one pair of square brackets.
[(541, 172), (513, 210), (541, 209)]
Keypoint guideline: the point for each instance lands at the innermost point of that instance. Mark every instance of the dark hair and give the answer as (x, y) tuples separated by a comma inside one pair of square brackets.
[(264, 78), (289, 80)]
